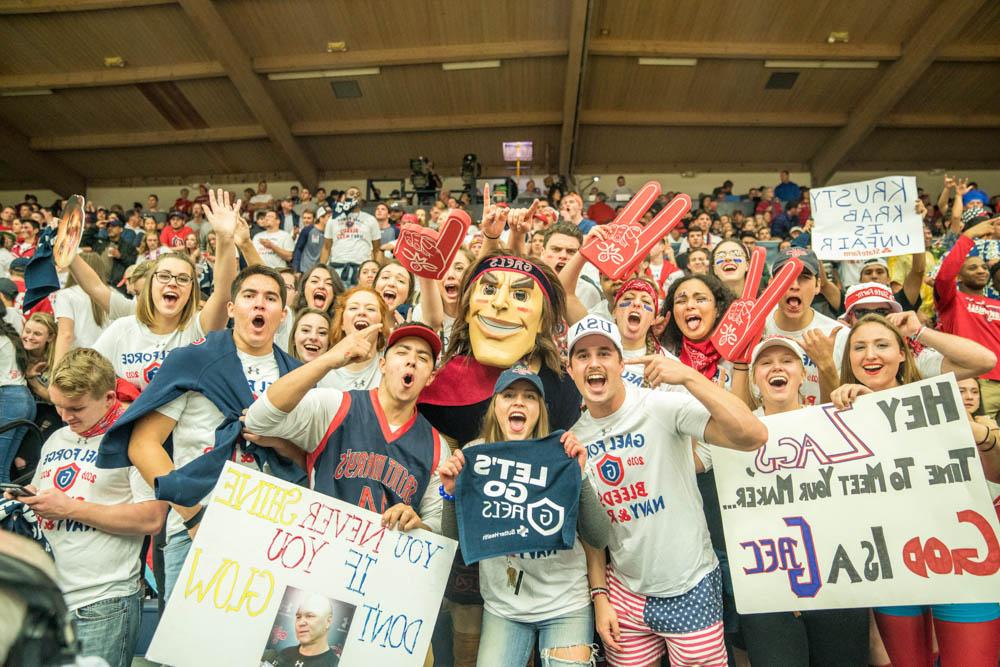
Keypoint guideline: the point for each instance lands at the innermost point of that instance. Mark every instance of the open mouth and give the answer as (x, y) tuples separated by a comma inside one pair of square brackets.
[(498, 328), (872, 369), (319, 299), (517, 421), (793, 302), (693, 322), (634, 318), (170, 298), (596, 381), (451, 290), (389, 296), (360, 324), (729, 267), (258, 322), (407, 380), (559, 266), (777, 381)]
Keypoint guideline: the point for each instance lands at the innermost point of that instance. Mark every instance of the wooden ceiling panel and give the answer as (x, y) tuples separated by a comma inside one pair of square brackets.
[(868, 21), (53, 43), (279, 27), (621, 84), (517, 85), (650, 147), (218, 102), (231, 157), (955, 88), (389, 154), (82, 111), (928, 147), (985, 28)]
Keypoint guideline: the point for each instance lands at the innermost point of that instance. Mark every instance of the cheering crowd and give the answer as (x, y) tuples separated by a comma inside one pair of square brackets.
[(283, 334)]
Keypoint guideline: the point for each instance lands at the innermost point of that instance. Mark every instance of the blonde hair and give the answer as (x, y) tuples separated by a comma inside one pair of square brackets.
[(491, 431), (145, 310), (907, 372), (102, 269), (49, 322), (83, 371)]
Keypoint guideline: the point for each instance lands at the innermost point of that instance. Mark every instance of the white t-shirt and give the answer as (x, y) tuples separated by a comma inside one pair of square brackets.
[(345, 379), (282, 239), (15, 318), (10, 374), (74, 304), (284, 332), (261, 198), (136, 353), (91, 565), (810, 386), (197, 418), (640, 462), (633, 373), (120, 306), (6, 257), (352, 236), (306, 425)]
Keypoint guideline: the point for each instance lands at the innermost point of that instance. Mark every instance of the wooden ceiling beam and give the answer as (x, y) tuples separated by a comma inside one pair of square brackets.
[(421, 55), (44, 169), (943, 24), (215, 33), (426, 123), (576, 63), (752, 119), (52, 6), (154, 138), (780, 51), (113, 76)]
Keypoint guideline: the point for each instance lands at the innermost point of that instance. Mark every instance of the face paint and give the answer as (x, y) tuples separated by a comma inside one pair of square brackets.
[(505, 316)]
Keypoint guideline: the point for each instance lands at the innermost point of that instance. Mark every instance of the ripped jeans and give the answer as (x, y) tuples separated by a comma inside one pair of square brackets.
[(506, 643)]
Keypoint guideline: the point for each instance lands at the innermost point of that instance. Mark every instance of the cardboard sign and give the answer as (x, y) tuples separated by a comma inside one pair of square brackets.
[(627, 242), (428, 253), (69, 232), (517, 497), (267, 548), (882, 504), (743, 323), (875, 218)]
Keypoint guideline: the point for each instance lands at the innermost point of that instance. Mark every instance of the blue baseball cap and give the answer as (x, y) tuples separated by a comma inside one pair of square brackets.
[(515, 373)]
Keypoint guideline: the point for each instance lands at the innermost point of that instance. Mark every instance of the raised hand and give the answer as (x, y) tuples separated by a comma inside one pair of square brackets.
[(907, 322), (663, 370), (844, 396), (449, 470), (818, 345), (355, 346), (222, 215)]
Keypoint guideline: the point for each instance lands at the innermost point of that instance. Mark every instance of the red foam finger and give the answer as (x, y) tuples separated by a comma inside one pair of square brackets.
[(428, 253), (625, 245), (638, 205), (744, 320), (755, 272)]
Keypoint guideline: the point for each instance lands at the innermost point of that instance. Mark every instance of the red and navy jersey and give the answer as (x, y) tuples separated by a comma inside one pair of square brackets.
[(361, 461)]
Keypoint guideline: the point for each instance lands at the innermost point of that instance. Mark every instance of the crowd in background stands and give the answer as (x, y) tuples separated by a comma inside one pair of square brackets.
[(152, 278)]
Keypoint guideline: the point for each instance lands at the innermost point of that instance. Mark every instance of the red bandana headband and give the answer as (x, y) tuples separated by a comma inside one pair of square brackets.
[(638, 285)]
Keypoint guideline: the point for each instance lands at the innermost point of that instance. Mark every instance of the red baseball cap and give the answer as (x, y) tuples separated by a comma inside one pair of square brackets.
[(410, 329)]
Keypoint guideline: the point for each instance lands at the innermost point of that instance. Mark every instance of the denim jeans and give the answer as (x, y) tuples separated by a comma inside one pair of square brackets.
[(348, 272), (174, 554), (16, 402), (506, 643), (109, 629)]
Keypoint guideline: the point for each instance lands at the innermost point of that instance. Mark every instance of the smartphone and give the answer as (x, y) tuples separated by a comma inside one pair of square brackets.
[(15, 490)]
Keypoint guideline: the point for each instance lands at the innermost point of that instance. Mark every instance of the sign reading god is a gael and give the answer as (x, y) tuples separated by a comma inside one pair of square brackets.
[(277, 572), (876, 218), (883, 504)]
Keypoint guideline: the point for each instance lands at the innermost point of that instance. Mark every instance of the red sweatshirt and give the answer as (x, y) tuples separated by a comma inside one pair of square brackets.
[(971, 316)]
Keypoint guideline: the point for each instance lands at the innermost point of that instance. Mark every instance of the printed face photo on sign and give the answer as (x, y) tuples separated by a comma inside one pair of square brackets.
[(309, 629), (505, 316)]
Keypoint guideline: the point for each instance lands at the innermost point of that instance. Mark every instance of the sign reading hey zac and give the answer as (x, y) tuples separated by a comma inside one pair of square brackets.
[(428, 253), (517, 497), (268, 549), (626, 241), (876, 218), (882, 504)]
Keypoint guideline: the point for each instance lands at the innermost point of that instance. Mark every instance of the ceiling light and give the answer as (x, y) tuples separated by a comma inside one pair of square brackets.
[(323, 74), (26, 93), (821, 64), (841, 37), (336, 47), (471, 64), (114, 61), (670, 62)]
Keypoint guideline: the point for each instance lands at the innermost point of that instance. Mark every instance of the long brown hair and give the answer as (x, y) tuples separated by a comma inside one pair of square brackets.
[(145, 309), (491, 431), (295, 325), (907, 372), (337, 327), (49, 322), (102, 269), (553, 313)]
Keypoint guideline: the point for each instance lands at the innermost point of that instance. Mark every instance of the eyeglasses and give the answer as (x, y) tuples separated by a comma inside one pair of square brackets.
[(861, 312), (165, 277)]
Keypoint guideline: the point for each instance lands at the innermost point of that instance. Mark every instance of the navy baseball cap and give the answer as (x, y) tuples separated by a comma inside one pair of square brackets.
[(515, 373)]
